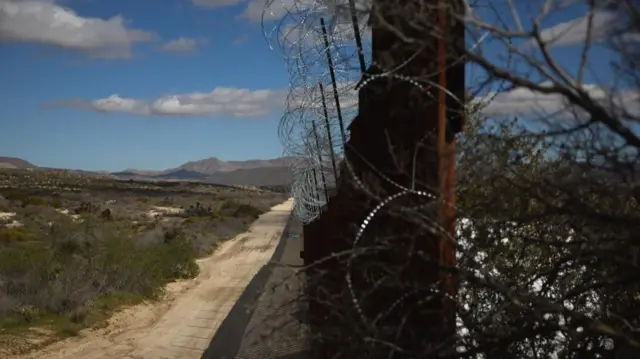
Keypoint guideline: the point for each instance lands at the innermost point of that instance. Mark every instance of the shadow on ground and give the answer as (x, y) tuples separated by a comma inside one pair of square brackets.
[(268, 321)]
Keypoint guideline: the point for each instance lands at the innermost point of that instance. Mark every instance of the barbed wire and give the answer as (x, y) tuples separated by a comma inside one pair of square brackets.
[(318, 101), (316, 61), (317, 40), (322, 98), (315, 138)]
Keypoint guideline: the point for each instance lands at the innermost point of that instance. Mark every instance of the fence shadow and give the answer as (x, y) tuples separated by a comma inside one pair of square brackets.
[(266, 321)]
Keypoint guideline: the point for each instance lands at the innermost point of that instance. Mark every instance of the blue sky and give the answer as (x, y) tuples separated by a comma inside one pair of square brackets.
[(179, 80), (231, 52)]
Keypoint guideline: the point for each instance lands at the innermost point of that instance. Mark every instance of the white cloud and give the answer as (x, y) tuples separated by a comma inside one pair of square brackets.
[(181, 44), (273, 9), (604, 25), (221, 101), (245, 103), (576, 31), (341, 9), (299, 34), (525, 102), (115, 103), (215, 3), (257, 10), (310, 100), (311, 35), (45, 22)]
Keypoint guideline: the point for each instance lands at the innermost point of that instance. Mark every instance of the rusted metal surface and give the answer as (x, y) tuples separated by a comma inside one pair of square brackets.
[(389, 132), (446, 170)]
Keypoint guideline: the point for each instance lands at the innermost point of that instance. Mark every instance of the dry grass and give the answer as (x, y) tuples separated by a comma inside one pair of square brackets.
[(83, 247)]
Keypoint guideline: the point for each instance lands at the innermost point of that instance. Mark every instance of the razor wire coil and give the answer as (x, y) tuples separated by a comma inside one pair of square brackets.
[(321, 94)]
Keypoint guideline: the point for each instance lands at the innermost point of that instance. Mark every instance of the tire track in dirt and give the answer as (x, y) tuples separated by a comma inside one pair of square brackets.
[(182, 325)]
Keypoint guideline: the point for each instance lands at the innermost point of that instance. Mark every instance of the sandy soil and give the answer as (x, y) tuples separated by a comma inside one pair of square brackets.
[(182, 325), (7, 217), (163, 211)]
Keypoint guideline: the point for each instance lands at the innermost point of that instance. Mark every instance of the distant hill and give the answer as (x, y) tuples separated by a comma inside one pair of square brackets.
[(215, 165), (208, 166), (265, 176), (13, 162), (270, 172), (125, 173), (182, 174), (135, 172)]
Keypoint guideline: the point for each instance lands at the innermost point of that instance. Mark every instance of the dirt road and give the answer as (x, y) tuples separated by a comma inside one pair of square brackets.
[(182, 325)]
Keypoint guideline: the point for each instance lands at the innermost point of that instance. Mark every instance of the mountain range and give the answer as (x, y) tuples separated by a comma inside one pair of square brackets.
[(271, 172), (12, 162)]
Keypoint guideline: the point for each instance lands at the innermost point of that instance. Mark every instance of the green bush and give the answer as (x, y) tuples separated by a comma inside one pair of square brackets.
[(34, 201), (56, 203), (17, 234), (86, 208), (229, 205), (15, 195), (191, 220), (233, 208), (247, 210), (25, 198), (79, 265), (199, 210)]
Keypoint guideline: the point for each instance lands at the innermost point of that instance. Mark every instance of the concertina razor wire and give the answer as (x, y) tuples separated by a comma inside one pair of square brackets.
[(317, 40)]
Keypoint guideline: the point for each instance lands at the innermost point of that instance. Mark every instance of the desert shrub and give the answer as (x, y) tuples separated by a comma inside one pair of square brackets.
[(15, 195), (172, 234), (229, 205), (247, 210), (8, 305), (5, 204), (199, 210), (17, 234), (106, 215), (34, 201), (236, 209), (86, 207), (56, 203), (191, 220), (84, 263), (25, 198)]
